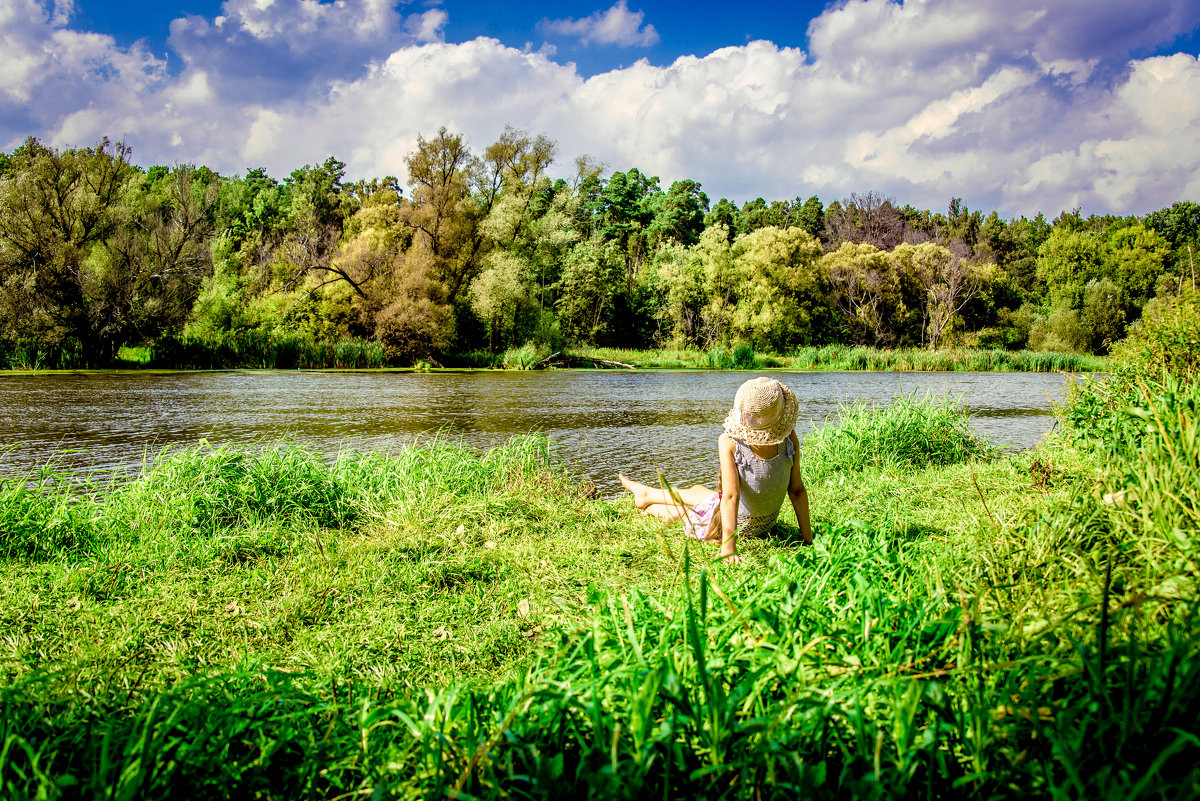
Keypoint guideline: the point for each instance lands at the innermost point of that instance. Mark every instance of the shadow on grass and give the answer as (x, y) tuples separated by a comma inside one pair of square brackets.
[(788, 534)]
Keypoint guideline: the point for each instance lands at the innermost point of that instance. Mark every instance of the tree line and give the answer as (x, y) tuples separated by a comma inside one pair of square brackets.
[(486, 251)]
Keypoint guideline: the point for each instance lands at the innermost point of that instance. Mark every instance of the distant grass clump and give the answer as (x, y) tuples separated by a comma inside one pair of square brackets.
[(910, 433), (847, 357), (280, 350), (525, 357), (739, 357)]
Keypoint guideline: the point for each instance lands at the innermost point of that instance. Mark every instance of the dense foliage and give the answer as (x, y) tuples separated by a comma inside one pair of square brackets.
[(485, 252)]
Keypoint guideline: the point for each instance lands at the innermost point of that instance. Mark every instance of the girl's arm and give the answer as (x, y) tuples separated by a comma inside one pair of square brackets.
[(797, 494), (730, 497)]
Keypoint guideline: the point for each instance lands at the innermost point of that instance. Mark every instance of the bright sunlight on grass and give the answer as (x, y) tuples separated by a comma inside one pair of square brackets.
[(441, 623)]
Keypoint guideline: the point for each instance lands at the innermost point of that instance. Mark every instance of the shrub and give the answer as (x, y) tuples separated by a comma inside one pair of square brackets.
[(1061, 331), (1159, 359), (1166, 339)]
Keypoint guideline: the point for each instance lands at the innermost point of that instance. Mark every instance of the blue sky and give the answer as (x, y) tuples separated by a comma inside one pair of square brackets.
[(682, 28), (1015, 105)]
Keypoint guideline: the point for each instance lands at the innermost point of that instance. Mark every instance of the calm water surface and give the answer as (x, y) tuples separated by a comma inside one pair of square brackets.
[(603, 421)]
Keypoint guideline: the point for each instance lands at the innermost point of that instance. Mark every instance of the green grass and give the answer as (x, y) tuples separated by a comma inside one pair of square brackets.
[(282, 350), (851, 358), (441, 623), (910, 432), (844, 357)]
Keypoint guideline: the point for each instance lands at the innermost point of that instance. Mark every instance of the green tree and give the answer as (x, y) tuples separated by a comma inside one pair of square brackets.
[(592, 277), (1179, 225), (679, 279), (317, 193), (726, 215), (1133, 256), (91, 250), (528, 231), (442, 212), (811, 216), (677, 214), (1066, 261), (782, 293), (1103, 315), (946, 282), (154, 265), (866, 290), (502, 293)]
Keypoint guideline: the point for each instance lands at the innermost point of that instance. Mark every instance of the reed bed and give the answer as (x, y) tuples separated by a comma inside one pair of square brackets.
[(855, 358), (281, 350), (440, 623), (30, 355), (843, 357)]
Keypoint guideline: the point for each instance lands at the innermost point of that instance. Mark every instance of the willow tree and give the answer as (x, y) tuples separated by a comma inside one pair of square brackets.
[(94, 251), (867, 292), (783, 292), (946, 282)]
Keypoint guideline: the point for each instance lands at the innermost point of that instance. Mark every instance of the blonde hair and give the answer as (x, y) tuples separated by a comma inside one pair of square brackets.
[(714, 532)]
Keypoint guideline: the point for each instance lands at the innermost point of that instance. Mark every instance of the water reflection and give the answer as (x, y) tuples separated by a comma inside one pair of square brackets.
[(604, 421)]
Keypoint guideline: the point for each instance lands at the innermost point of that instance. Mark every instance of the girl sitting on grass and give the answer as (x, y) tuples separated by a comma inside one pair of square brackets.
[(760, 465)]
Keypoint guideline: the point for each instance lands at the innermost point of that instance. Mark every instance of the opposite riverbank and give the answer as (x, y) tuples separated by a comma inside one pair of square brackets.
[(289, 353)]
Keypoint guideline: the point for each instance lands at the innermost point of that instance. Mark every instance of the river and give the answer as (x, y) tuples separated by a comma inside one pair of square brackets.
[(603, 421)]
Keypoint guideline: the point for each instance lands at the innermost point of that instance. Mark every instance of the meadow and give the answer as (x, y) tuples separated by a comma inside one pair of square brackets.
[(443, 623)]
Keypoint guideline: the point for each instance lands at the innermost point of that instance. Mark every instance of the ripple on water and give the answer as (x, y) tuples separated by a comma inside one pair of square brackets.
[(604, 422)]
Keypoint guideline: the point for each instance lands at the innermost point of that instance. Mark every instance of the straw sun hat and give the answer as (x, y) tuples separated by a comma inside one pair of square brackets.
[(764, 412)]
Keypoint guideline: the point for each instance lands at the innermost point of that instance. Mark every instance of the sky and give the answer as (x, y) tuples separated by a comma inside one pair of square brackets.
[(1015, 105)]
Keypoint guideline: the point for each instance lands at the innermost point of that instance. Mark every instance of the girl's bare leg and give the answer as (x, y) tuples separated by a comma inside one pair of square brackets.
[(645, 496), (670, 512)]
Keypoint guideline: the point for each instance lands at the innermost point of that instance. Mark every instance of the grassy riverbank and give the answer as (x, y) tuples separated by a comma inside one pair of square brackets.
[(851, 358), (254, 350), (443, 623)]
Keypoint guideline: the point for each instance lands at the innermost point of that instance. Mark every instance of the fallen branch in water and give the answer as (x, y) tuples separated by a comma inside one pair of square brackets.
[(559, 359)]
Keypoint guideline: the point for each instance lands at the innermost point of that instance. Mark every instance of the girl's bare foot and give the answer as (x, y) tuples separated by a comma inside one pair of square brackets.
[(638, 490)]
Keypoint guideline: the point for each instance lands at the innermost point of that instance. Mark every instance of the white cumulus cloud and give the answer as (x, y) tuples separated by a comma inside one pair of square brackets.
[(616, 25), (1011, 104)]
